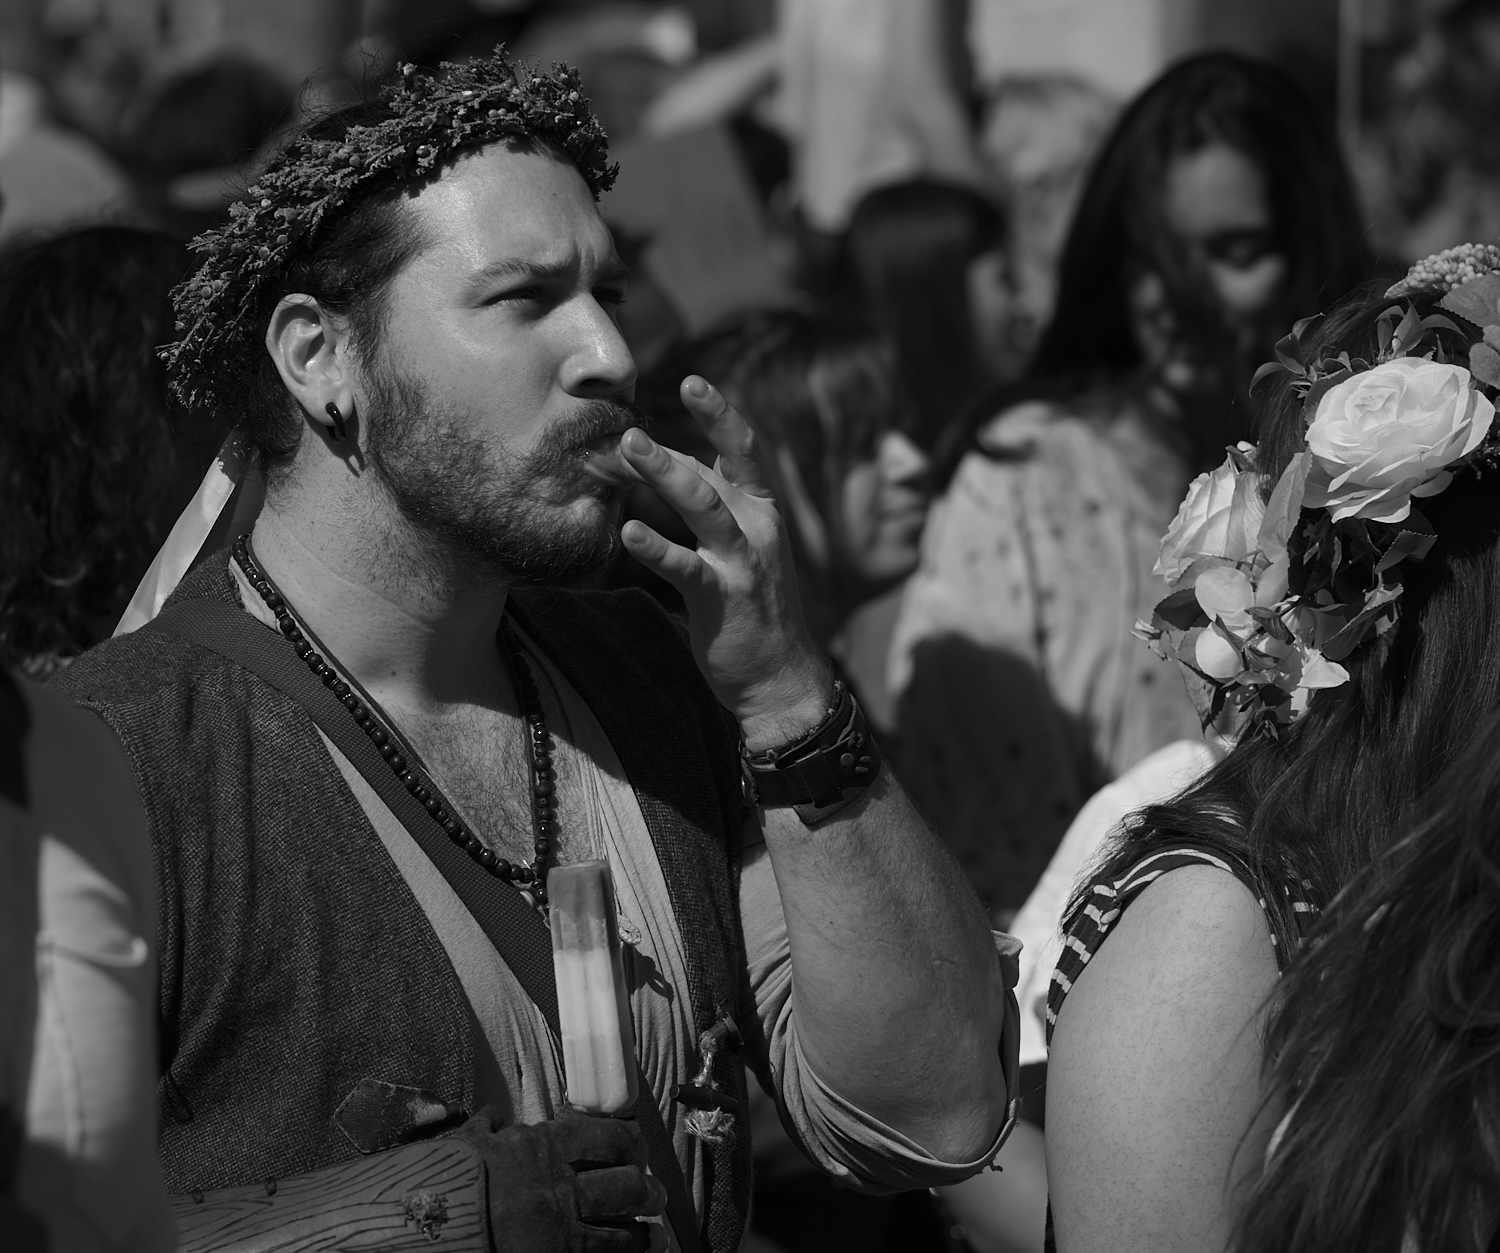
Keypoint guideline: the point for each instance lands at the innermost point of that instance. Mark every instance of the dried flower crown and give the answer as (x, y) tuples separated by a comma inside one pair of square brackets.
[(431, 120), (1268, 595)]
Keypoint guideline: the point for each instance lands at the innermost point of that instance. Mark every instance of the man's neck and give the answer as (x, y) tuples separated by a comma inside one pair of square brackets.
[(399, 613)]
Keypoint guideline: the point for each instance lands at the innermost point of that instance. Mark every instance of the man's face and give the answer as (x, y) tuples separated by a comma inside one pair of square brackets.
[(496, 396)]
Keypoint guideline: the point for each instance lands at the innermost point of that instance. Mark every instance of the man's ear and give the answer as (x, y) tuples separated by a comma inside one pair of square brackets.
[(311, 350)]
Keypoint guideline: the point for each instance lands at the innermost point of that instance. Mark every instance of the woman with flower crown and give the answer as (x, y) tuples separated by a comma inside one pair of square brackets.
[(1337, 591)]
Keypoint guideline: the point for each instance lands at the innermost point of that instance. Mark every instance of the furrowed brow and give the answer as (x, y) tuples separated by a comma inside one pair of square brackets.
[(514, 268), (613, 271)]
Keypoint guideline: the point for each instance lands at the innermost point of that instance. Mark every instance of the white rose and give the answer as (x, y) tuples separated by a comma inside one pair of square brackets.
[(1388, 434), (1220, 517)]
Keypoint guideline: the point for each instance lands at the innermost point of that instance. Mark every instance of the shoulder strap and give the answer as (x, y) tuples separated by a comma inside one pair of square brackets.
[(1107, 900), (515, 929)]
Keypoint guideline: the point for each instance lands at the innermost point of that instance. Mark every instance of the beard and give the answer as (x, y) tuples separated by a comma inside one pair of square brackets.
[(514, 514)]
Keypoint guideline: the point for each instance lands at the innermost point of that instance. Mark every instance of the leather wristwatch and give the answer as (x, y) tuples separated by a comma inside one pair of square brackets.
[(824, 770)]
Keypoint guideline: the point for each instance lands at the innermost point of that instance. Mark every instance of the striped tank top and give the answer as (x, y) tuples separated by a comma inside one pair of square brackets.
[(1108, 899)]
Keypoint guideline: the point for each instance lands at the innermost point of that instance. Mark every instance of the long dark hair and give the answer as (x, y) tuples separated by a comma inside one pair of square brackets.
[(90, 471), (1337, 787), (1121, 230), (904, 267), (1386, 1046)]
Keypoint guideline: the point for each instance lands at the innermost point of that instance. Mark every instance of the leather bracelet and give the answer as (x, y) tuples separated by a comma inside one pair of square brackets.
[(821, 772)]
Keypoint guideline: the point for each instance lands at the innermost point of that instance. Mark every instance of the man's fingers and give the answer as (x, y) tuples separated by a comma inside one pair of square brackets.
[(728, 432), (618, 1193), (684, 486), (681, 567)]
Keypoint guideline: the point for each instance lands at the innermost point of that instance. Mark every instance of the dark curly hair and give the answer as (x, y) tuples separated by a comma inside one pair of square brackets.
[(89, 466)]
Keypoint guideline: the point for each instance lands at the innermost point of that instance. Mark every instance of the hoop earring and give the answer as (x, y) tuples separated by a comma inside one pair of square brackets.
[(340, 431)]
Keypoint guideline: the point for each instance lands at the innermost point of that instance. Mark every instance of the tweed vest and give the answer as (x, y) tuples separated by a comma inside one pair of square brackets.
[(295, 962)]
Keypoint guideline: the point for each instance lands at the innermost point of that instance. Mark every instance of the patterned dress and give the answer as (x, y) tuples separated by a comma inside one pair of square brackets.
[(1019, 688)]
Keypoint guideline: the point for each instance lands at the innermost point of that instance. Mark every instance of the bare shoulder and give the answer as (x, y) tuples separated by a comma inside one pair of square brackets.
[(1154, 1096), (1196, 929)]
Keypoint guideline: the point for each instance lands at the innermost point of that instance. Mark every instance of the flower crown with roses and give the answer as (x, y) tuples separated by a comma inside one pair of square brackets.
[(1269, 594), (431, 120)]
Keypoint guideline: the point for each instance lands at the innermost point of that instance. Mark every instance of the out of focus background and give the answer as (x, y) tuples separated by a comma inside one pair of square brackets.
[(740, 123), (989, 277)]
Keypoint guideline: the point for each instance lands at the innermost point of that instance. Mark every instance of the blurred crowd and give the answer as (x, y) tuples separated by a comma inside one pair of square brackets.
[(986, 328)]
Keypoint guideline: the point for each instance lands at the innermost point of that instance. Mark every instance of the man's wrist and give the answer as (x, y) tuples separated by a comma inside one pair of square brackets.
[(822, 771), (802, 705)]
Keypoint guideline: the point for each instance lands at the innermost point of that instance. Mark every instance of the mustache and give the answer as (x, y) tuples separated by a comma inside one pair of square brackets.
[(593, 419)]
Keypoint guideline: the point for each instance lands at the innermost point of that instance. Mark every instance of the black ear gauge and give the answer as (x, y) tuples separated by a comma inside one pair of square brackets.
[(340, 431)]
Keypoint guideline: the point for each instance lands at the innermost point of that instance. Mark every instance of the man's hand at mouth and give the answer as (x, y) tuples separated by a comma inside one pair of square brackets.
[(744, 616)]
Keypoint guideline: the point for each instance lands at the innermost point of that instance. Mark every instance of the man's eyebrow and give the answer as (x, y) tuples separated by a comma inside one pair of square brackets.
[(510, 268)]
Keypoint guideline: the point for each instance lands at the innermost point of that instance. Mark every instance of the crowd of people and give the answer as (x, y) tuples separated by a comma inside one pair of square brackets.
[(1002, 579)]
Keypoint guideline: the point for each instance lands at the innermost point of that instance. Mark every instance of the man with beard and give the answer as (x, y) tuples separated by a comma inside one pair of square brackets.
[(366, 733)]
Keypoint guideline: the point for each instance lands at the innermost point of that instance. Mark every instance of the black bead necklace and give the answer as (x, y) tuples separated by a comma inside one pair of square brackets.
[(402, 758)]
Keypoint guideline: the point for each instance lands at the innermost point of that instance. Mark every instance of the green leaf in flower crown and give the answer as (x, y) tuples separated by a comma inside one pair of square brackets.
[(1271, 623), (1407, 544), (1181, 610), (1379, 603), (1285, 507), (1477, 301), (1289, 353), (1384, 327), (1265, 371), (1484, 363), (1409, 334)]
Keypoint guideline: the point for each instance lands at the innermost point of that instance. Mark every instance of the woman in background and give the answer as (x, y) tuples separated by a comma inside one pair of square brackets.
[(93, 471), (824, 399), (1218, 211)]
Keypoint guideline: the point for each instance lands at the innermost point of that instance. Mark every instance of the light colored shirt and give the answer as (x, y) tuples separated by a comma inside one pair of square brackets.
[(1020, 688), (78, 941), (872, 94), (1038, 925)]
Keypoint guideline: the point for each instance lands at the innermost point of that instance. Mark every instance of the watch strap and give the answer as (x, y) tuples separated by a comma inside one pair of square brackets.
[(824, 770)]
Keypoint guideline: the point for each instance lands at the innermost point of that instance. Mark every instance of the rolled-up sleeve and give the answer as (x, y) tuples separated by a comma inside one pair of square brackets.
[(837, 1136)]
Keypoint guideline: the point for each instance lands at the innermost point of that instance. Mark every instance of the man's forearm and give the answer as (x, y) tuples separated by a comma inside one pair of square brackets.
[(896, 985), (403, 1199)]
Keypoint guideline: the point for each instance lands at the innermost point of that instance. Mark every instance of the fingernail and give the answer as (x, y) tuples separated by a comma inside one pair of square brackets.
[(640, 443), (697, 387)]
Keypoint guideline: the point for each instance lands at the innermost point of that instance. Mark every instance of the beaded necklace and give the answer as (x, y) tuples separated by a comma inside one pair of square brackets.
[(403, 760)]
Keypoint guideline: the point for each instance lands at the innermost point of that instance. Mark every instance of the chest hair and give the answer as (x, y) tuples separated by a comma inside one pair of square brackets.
[(480, 759)]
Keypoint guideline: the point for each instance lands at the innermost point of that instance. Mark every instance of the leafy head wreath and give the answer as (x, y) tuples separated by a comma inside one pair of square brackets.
[(1271, 591), (430, 120)]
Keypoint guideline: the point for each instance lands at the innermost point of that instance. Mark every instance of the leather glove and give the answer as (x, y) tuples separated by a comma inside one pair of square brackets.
[(574, 1185)]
